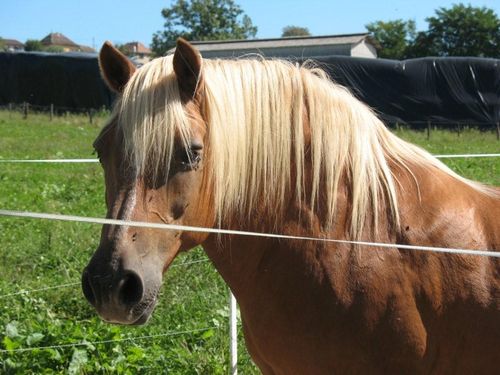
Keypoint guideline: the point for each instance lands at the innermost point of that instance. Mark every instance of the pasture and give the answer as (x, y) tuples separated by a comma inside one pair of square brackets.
[(190, 324)]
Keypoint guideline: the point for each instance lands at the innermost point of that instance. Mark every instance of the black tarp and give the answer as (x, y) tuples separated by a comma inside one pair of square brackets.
[(68, 80), (442, 90), (445, 90)]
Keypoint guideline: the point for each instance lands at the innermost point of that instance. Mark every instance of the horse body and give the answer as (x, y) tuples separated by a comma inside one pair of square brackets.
[(307, 307), (328, 308)]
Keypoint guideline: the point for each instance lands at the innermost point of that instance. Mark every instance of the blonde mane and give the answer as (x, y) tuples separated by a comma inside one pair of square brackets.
[(266, 119)]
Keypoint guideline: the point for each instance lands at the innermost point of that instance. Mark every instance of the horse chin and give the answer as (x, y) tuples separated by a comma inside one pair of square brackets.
[(137, 315)]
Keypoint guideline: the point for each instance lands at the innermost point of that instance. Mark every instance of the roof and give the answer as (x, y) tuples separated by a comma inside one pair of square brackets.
[(218, 45), (12, 42), (136, 47), (58, 39)]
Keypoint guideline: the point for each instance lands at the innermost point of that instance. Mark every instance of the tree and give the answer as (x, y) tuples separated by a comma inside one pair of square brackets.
[(53, 49), (2, 45), (122, 48), (460, 31), (292, 30), (395, 37), (33, 45), (202, 20)]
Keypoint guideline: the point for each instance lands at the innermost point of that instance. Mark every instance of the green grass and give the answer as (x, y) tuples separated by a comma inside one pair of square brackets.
[(37, 253), (470, 141)]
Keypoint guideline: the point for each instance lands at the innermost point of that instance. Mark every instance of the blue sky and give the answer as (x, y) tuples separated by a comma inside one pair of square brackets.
[(91, 22)]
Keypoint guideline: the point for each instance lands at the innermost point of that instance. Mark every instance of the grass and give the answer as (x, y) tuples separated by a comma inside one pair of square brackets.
[(37, 254)]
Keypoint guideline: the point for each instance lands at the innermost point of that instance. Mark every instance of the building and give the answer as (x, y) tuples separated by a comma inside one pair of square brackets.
[(136, 49), (355, 45), (12, 45), (60, 41)]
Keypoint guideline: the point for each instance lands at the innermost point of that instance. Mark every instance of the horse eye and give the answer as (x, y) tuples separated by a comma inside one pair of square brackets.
[(190, 158)]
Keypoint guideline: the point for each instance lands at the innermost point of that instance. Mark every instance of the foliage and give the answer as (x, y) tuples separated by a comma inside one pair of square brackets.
[(457, 31), (36, 45), (202, 20), (292, 30), (460, 31), (2, 45), (395, 37), (37, 254), (122, 48), (54, 49), (33, 45)]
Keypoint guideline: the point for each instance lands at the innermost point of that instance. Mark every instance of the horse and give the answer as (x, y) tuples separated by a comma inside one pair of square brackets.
[(270, 146)]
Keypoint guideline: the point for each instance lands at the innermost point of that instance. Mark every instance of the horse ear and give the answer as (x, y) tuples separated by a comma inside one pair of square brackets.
[(116, 69), (187, 68)]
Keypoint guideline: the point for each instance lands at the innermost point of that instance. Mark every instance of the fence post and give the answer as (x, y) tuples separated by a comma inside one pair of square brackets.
[(458, 130), (51, 111), (233, 333), (498, 131), (428, 129), (25, 110), (91, 115)]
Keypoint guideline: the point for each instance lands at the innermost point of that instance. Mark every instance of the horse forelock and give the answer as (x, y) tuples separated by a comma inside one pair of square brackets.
[(151, 115), (268, 122)]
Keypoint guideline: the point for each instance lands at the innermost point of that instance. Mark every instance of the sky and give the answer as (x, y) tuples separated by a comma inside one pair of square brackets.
[(91, 22)]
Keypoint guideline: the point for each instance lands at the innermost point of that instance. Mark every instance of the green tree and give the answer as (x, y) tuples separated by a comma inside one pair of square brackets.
[(292, 30), (53, 49), (462, 30), (2, 45), (202, 20), (33, 45), (122, 48), (396, 37)]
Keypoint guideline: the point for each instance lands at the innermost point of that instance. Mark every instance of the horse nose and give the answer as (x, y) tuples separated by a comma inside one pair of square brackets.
[(130, 289)]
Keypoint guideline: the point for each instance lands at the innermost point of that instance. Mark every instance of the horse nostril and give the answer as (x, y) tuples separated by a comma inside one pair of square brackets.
[(130, 289), (88, 291)]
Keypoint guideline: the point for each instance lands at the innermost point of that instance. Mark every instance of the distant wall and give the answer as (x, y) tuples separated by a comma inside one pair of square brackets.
[(283, 52), (364, 49)]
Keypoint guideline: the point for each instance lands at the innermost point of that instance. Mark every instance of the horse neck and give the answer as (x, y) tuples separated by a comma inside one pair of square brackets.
[(240, 258)]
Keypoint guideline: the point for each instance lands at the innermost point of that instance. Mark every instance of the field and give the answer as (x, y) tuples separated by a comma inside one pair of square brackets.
[(190, 324)]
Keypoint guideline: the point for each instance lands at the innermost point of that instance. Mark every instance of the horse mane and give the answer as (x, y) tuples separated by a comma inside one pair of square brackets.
[(267, 119)]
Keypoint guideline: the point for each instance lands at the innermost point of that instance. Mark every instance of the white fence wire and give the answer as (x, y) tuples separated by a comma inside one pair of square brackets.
[(62, 161), (188, 228), (87, 343)]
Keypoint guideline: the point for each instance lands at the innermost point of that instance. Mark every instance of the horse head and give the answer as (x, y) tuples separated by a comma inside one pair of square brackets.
[(123, 278)]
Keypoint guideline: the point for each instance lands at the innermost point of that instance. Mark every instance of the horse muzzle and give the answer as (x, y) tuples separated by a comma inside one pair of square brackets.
[(122, 297)]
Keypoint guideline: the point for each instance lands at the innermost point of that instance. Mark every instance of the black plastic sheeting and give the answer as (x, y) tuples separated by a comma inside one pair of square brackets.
[(69, 80), (441, 90)]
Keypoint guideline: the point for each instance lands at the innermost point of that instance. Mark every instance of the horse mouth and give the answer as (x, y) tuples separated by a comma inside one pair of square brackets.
[(137, 315), (146, 314)]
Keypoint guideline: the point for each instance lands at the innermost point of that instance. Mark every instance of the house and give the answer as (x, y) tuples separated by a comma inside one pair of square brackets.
[(12, 45), (60, 41), (136, 49), (355, 45)]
